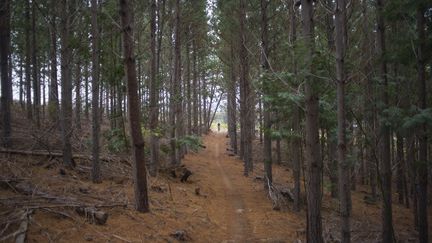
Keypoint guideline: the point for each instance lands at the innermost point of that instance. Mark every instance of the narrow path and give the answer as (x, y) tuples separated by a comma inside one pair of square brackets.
[(239, 224), (237, 204)]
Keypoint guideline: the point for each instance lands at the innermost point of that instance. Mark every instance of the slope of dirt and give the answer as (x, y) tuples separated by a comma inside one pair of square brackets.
[(217, 203)]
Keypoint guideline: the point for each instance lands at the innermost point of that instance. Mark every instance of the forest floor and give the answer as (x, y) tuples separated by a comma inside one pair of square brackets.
[(216, 204)]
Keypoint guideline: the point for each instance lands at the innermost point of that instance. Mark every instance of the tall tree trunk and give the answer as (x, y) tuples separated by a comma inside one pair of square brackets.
[(178, 83), (139, 168), (6, 80), (296, 141), (232, 104), (35, 69), (187, 83), (247, 103), (400, 170), (385, 176), (53, 100), (86, 90), (28, 61), (278, 149), (422, 168), (296, 156), (21, 83), (154, 94), (343, 164), (78, 102), (260, 118), (312, 152), (333, 164), (96, 172), (43, 92), (66, 82), (176, 104), (172, 96), (411, 157), (200, 100), (369, 103), (267, 122), (195, 88)]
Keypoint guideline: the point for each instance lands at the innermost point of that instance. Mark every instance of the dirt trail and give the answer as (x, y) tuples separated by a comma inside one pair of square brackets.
[(235, 203), (228, 208)]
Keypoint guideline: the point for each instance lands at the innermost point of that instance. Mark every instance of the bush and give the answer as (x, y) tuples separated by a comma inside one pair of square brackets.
[(117, 141), (192, 142)]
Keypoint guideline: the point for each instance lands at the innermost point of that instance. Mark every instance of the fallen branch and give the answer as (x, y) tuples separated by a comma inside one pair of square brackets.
[(278, 196), (93, 215), (68, 205), (21, 233), (121, 238), (58, 154), (50, 201), (23, 227)]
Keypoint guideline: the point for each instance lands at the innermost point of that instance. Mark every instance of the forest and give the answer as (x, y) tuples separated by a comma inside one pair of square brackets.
[(216, 121)]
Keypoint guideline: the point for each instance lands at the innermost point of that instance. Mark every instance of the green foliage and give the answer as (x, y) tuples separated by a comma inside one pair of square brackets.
[(392, 117), (165, 148), (406, 120), (192, 142), (284, 133), (418, 119), (116, 140)]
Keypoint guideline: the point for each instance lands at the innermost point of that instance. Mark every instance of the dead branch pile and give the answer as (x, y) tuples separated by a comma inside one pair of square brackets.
[(59, 154), (36, 198), (279, 195)]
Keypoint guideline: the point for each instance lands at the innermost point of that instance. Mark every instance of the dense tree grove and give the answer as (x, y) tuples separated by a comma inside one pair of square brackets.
[(340, 87), (337, 82)]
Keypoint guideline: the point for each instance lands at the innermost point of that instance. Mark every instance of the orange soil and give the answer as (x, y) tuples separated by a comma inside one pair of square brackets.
[(231, 207)]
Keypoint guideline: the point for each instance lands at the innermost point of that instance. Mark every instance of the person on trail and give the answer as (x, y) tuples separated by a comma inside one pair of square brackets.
[(218, 127)]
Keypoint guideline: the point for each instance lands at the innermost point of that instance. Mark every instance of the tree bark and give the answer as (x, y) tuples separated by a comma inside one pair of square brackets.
[(411, 156), (179, 83), (35, 69), (6, 80), (266, 106), (385, 175), (28, 61), (296, 141), (176, 99), (232, 104), (400, 170), (154, 95), (86, 90), (78, 102), (422, 168), (312, 151), (195, 113), (187, 84), (53, 100), (21, 83), (96, 171), (247, 104), (66, 82), (139, 169), (343, 164)]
